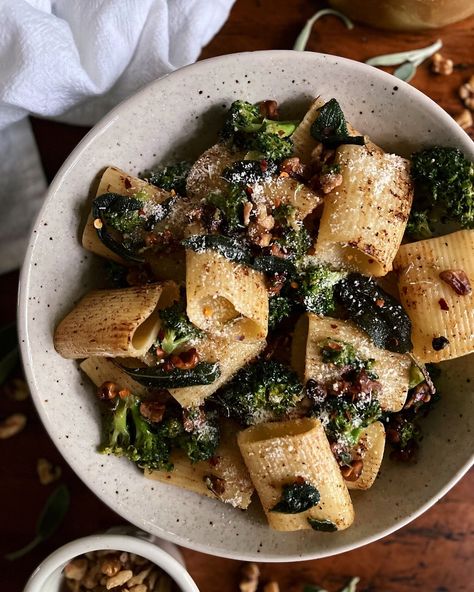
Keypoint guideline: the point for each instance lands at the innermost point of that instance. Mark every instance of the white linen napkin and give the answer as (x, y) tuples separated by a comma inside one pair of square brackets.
[(74, 60)]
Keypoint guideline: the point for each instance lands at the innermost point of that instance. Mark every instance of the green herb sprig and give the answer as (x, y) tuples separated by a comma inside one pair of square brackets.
[(407, 61), (51, 517), (303, 37), (8, 351)]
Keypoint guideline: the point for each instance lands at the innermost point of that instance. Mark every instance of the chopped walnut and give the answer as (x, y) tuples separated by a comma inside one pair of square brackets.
[(107, 391), (47, 472), (271, 587), (119, 579), (441, 65), (140, 577), (293, 167), (264, 220), (247, 211), (76, 569), (317, 152), (258, 235), (464, 119), (268, 109), (250, 573), (193, 419), (186, 360), (457, 279), (12, 425), (353, 471), (110, 566), (466, 93), (16, 389), (330, 181), (215, 484), (152, 410)]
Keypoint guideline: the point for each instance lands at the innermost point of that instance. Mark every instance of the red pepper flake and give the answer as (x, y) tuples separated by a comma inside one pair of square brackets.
[(263, 165), (127, 183), (333, 326), (380, 302), (214, 461), (443, 304)]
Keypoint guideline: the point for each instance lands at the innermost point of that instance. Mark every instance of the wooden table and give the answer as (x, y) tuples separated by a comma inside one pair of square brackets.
[(435, 553)]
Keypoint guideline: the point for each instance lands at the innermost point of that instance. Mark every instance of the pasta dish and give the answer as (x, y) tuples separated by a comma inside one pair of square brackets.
[(274, 312)]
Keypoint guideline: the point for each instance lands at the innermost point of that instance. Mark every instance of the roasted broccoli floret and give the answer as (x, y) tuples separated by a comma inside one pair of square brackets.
[(418, 225), (201, 438), (280, 307), (116, 433), (248, 172), (344, 420), (241, 117), (265, 138), (294, 242), (128, 433), (272, 146), (316, 289), (176, 327), (171, 177), (230, 203), (283, 129), (444, 190), (343, 354), (259, 392), (150, 449)]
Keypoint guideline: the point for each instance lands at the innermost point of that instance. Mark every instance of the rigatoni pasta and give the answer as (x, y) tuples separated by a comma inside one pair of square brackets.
[(435, 279), (369, 451), (225, 298), (114, 180), (277, 454), (113, 322), (226, 478), (365, 216), (392, 369)]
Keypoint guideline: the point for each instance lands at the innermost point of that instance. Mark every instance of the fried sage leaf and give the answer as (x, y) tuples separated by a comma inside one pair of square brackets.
[(322, 525), (297, 497), (230, 248), (376, 312), (50, 519), (330, 127), (157, 376)]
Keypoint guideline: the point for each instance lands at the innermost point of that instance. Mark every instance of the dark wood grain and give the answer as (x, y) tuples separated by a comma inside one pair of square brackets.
[(432, 554)]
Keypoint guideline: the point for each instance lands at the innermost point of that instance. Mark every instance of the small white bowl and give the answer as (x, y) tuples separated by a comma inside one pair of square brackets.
[(48, 576)]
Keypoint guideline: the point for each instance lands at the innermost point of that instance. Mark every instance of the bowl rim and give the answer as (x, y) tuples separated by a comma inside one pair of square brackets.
[(457, 132), (117, 542)]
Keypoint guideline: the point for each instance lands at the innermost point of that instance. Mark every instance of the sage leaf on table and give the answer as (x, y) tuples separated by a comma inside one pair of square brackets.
[(8, 351), (51, 517), (303, 37), (407, 61)]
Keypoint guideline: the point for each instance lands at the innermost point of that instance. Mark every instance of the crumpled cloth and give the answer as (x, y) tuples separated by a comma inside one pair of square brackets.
[(74, 60)]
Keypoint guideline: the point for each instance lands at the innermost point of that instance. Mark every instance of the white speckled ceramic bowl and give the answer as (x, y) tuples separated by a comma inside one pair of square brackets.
[(177, 117)]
